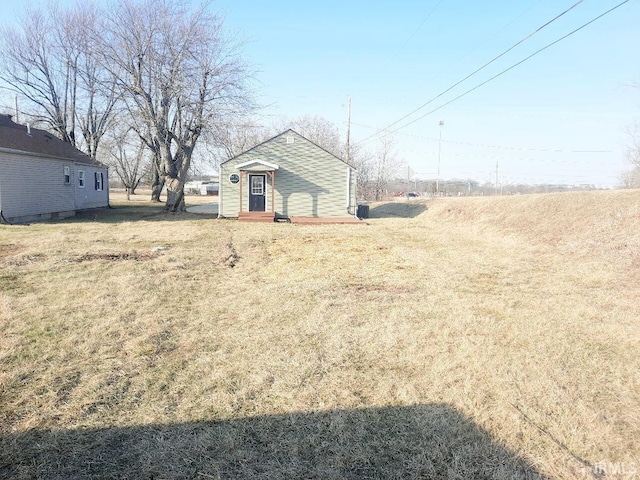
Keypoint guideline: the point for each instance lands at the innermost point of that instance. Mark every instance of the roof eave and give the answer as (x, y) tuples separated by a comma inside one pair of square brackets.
[(81, 161)]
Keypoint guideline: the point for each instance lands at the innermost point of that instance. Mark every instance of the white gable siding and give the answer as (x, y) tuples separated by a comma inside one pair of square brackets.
[(310, 182), (31, 187)]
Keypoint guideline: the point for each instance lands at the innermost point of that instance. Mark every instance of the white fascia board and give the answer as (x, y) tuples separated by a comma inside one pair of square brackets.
[(272, 166)]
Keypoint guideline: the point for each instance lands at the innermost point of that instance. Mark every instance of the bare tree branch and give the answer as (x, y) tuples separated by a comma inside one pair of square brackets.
[(49, 60), (180, 76)]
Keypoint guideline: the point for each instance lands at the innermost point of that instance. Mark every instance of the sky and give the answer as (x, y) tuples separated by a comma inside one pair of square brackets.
[(561, 116)]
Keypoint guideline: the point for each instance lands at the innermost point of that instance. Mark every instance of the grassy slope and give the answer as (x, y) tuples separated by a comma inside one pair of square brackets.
[(491, 337)]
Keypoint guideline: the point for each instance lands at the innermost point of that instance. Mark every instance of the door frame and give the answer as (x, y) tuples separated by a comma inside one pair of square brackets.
[(251, 194)]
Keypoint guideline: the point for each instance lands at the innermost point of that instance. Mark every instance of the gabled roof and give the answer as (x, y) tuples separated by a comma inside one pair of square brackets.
[(284, 133), (38, 142), (269, 165)]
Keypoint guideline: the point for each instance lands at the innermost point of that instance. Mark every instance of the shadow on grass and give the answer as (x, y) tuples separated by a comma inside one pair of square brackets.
[(422, 441), (149, 212), (398, 210)]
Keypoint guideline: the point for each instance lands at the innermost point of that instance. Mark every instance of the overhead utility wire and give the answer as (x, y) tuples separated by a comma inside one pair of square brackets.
[(480, 44), (478, 69), (484, 145), (506, 70), (413, 34)]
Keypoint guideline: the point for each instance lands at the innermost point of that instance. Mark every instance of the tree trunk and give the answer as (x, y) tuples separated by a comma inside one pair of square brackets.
[(175, 195), (156, 186)]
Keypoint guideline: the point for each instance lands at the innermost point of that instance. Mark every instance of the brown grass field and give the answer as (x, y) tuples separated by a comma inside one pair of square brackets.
[(458, 338)]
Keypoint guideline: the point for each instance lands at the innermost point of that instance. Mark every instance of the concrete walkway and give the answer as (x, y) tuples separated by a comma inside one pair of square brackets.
[(207, 208)]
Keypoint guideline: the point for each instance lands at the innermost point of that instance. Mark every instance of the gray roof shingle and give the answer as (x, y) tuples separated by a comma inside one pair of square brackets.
[(40, 142)]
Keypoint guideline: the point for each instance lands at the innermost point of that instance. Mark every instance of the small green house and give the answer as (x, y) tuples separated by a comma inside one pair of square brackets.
[(287, 177)]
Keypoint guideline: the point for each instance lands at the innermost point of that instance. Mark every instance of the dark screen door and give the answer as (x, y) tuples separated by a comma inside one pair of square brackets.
[(257, 193)]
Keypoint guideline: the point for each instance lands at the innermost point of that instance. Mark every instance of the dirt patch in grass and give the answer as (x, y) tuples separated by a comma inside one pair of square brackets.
[(9, 249), (229, 256), (115, 257)]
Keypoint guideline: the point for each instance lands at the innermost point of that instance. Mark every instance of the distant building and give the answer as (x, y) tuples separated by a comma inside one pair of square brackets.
[(43, 177), (202, 187)]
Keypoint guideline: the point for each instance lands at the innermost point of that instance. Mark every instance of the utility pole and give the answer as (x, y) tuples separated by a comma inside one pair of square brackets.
[(497, 177), (17, 115), (441, 123), (348, 130)]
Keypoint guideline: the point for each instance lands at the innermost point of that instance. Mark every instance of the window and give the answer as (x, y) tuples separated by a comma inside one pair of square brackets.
[(67, 175), (81, 178), (257, 185), (99, 180), (234, 178)]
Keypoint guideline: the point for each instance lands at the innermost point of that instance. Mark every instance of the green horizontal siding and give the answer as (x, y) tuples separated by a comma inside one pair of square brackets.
[(310, 182)]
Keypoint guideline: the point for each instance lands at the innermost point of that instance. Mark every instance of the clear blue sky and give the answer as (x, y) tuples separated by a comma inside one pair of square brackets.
[(559, 117)]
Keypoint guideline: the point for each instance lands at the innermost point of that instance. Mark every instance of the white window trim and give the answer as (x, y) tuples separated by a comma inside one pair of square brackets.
[(66, 174), (81, 179), (98, 180)]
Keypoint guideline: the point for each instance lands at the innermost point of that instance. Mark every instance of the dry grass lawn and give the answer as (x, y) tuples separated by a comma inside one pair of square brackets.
[(459, 338)]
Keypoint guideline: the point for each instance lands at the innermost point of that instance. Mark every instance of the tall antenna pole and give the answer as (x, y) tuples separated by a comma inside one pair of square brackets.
[(348, 129), (17, 115)]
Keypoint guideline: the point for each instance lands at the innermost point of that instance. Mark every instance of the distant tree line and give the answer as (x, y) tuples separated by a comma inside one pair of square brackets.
[(470, 187)]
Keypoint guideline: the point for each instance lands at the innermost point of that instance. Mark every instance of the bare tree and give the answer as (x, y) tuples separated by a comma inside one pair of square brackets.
[(319, 130), (179, 73), (362, 161), (96, 94), (49, 61), (631, 179), (384, 167), (127, 155), (226, 140)]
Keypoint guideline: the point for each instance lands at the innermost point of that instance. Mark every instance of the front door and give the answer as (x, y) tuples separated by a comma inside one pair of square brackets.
[(257, 193)]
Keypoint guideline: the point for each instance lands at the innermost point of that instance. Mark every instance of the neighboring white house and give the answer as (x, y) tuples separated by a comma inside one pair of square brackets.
[(43, 177)]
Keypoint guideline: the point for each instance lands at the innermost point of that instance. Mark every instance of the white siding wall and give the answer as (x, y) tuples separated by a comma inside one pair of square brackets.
[(34, 186), (89, 197)]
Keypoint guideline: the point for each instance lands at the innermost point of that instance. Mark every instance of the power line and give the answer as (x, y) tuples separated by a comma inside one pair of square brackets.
[(545, 116), (482, 67), (413, 34), (478, 45), (502, 147), (497, 75)]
